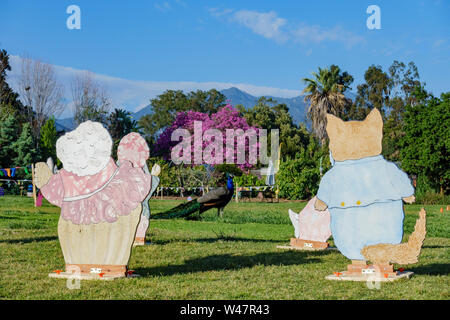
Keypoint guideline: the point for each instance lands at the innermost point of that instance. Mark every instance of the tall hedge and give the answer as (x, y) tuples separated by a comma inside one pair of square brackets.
[(299, 178)]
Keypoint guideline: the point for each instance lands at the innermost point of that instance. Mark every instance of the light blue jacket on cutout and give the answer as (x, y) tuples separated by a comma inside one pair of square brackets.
[(364, 197)]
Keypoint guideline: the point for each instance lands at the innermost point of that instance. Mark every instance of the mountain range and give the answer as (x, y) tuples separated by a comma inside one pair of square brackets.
[(297, 107)]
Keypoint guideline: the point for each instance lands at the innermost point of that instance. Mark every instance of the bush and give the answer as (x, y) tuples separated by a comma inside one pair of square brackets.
[(298, 179), (426, 194), (248, 180), (432, 198)]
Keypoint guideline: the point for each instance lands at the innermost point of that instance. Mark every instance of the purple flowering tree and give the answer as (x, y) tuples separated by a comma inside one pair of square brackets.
[(222, 137)]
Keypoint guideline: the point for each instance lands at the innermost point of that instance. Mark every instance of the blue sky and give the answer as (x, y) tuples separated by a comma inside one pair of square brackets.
[(262, 44)]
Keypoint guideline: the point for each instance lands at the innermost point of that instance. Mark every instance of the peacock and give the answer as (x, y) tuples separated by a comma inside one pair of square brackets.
[(217, 198)]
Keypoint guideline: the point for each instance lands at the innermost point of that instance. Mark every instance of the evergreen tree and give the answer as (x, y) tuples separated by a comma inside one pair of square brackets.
[(49, 135), (24, 147), (405, 80), (373, 93), (9, 100), (8, 135)]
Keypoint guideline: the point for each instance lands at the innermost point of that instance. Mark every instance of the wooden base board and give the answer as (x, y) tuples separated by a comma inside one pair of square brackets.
[(93, 272), (92, 276), (290, 247), (344, 276), (361, 267), (308, 244), (141, 243)]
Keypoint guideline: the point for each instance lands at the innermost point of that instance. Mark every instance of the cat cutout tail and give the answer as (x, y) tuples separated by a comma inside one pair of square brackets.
[(403, 253)]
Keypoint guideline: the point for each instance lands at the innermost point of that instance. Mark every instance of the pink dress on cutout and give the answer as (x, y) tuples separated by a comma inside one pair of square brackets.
[(103, 197)]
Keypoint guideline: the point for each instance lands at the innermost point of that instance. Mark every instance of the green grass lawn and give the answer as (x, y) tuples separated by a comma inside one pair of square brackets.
[(234, 257)]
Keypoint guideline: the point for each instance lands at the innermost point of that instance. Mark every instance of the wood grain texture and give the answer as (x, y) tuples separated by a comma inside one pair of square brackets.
[(355, 139), (41, 174), (103, 243)]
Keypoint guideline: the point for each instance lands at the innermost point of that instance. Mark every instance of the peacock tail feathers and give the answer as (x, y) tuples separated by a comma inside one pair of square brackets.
[(181, 211), (217, 198)]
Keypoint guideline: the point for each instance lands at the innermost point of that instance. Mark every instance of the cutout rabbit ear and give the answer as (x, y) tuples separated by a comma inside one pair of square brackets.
[(50, 163), (156, 170), (374, 117)]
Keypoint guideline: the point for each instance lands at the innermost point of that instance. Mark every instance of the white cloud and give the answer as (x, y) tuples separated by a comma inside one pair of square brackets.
[(181, 3), (216, 12), (133, 95), (438, 43), (266, 24), (271, 26), (316, 34), (165, 6), (162, 6)]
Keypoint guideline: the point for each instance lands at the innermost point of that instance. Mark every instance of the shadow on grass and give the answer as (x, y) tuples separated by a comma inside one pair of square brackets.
[(442, 269), (435, 247), (7, 218), (213, 239), (221, 262), (28, 240)]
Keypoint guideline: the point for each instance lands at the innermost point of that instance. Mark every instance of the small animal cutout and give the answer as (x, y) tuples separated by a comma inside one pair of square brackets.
[(311, 224)]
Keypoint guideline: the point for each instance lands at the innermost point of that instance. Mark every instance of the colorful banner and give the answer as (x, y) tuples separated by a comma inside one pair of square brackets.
[(11, 172)]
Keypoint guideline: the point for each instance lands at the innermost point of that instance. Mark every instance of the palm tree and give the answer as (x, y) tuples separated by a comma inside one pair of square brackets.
[(325, 94), (120, 123)]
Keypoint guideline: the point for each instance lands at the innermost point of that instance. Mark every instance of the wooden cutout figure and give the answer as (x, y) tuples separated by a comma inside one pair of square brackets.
[(311, 227), (100, 201), (364, 194), (145, 217)]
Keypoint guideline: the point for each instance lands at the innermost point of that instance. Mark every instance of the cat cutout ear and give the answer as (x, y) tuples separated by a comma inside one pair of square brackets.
[(334, 124), (374, 117)]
